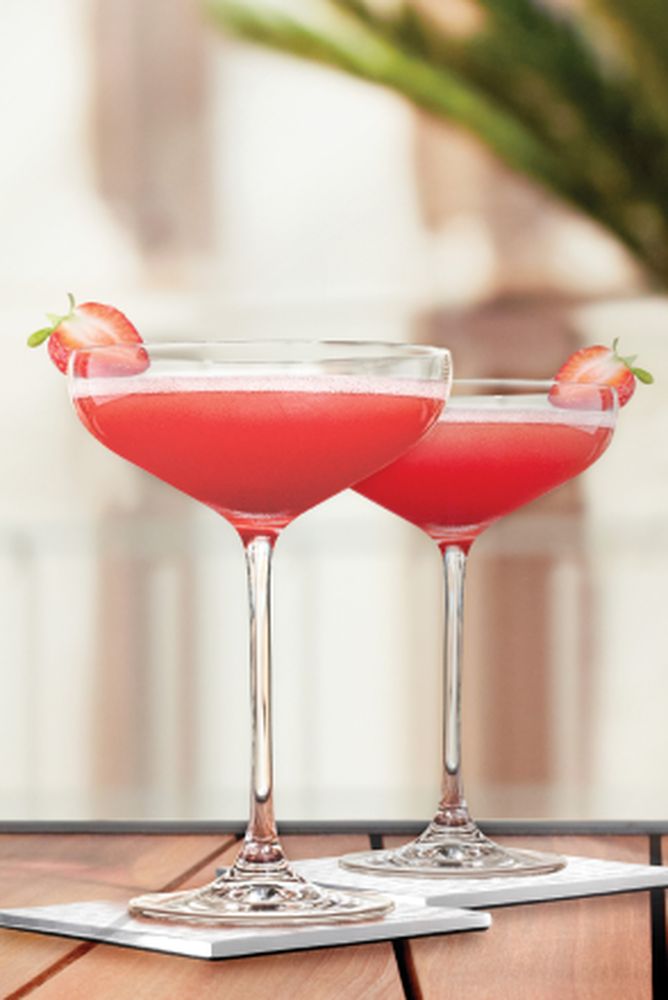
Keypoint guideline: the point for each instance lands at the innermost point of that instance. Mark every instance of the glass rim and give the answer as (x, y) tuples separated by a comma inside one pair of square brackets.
[(528, 383), (512, 393), (391, 347)]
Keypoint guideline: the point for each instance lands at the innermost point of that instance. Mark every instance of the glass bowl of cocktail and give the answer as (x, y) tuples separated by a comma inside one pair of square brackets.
[(260, 432), (496, 446)]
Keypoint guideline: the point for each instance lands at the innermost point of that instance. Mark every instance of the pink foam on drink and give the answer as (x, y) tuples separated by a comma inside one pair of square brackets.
[(207, 382)]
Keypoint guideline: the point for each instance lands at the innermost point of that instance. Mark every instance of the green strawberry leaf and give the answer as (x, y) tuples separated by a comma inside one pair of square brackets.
[(39, 336), (643, 376), (640, 373)]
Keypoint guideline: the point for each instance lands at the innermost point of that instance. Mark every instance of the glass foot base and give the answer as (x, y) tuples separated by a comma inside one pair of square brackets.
[(442, 852), (281, 897)]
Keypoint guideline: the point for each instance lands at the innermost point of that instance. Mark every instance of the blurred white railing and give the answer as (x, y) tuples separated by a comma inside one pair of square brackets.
[(123, 667)]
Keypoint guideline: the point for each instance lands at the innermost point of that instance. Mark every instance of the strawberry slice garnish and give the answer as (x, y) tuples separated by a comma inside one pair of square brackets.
[(88, 325), (596, 366)]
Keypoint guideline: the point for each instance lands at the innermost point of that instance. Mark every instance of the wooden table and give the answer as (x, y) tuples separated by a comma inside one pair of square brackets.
[(612, 948)]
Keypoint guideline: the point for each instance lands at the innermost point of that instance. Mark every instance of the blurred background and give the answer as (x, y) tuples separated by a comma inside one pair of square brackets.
[(208, 186)]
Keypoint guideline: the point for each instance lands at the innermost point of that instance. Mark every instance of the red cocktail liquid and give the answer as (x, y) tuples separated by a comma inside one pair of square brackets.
[(476, 465), (259, 450)]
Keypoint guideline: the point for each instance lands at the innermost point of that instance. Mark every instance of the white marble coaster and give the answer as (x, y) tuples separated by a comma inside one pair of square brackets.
[(580, 877), (110, 922)]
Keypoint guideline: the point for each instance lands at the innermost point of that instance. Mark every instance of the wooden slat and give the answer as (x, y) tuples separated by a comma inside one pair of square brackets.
[(51, 868), (664, 861), (664, 850), (349, 973), (598, 949)]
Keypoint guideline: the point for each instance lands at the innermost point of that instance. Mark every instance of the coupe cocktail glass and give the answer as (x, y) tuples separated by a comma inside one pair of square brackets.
[(260, 432), (498, 445)]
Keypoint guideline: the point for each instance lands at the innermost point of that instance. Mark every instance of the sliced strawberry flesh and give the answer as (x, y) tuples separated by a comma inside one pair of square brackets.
[(581, 396), (110, 360)]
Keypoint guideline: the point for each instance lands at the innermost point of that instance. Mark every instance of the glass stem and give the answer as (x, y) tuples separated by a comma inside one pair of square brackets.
[(261, 850), (452, 810)]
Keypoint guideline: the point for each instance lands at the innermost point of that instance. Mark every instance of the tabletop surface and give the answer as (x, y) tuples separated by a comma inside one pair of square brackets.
[(605, 947)]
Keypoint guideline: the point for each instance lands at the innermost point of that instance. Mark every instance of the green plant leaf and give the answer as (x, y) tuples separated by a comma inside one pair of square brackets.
[(536, 85)]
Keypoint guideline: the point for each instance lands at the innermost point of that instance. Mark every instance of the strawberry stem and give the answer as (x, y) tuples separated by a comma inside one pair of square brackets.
[(640, 373), (39, 336)]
